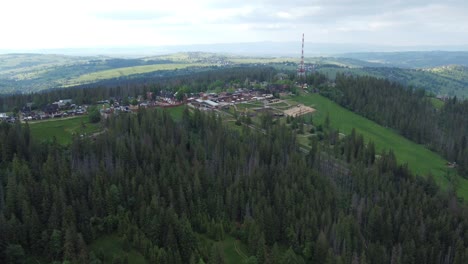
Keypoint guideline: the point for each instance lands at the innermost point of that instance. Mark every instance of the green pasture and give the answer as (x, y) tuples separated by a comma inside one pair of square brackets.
[(62, 129)]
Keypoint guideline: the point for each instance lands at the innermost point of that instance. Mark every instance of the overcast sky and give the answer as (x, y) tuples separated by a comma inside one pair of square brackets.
[(39, 24)]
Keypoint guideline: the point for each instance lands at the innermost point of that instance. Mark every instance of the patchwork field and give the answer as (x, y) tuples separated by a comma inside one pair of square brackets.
[(127, 71)]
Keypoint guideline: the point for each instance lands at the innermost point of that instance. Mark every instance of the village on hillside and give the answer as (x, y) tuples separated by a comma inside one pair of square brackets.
[(263, 97)]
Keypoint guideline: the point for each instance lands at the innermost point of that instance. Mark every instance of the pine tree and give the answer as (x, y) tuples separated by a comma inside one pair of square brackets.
[(55, 244)]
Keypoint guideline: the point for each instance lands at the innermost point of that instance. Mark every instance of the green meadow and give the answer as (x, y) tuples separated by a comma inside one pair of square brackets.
[(176, 112), (62, 129), (420, 160)]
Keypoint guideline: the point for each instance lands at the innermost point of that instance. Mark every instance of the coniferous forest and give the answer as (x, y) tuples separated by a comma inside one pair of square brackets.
[(159, 184), (410, 112)]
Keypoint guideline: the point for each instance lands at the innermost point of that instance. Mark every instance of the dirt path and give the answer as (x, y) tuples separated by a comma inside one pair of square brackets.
[(236, 247)]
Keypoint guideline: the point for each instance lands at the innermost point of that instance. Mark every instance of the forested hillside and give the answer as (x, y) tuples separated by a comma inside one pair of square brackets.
[(410, 112), (444, 81), (157, 183), (413, 59)]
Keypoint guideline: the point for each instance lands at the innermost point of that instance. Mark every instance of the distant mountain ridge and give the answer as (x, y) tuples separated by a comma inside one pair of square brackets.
[(264, 48)]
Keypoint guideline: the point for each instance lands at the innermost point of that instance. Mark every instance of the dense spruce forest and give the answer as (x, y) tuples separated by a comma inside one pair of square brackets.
[(410, 112), (158, 184)]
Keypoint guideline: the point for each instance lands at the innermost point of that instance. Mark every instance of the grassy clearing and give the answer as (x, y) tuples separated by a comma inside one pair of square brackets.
[(111, 246), (234, 251), (62, 129), (126, 71), (176, 112), (438, 104), (420, 160)]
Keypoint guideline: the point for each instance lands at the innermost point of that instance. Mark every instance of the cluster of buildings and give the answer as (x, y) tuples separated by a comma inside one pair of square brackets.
[(165, 99), (119, 105), (225, 99), (4, 117), (59, 109)]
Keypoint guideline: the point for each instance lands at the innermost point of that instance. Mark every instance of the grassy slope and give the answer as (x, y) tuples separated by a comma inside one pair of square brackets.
[(111, 245), (234, 251), (61, 129), (420, 160)]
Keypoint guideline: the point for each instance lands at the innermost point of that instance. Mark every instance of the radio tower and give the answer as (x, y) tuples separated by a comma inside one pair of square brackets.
[(301, 70)]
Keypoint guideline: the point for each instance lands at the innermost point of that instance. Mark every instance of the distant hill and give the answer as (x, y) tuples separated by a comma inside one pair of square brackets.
[(24, 73), (412, 59), (445, 80)]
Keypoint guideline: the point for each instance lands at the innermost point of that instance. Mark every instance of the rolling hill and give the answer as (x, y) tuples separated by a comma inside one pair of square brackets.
[(445, 80), (25, 73)]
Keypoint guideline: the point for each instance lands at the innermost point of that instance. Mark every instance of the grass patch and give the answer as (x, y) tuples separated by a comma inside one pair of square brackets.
[(176, 112), (250, 105), (420, 160), (111, 246), (438, 104), (62, 129), (280, 105), (234, 251)]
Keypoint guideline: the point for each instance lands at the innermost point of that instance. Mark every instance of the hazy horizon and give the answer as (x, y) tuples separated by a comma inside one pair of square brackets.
[(264, 48)]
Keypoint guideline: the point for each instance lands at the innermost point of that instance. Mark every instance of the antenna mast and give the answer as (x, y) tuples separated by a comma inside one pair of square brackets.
[(301, 70)]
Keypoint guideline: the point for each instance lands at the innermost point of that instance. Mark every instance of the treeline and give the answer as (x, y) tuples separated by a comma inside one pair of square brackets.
[(410, 112), (157, 184), (139, 85)]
